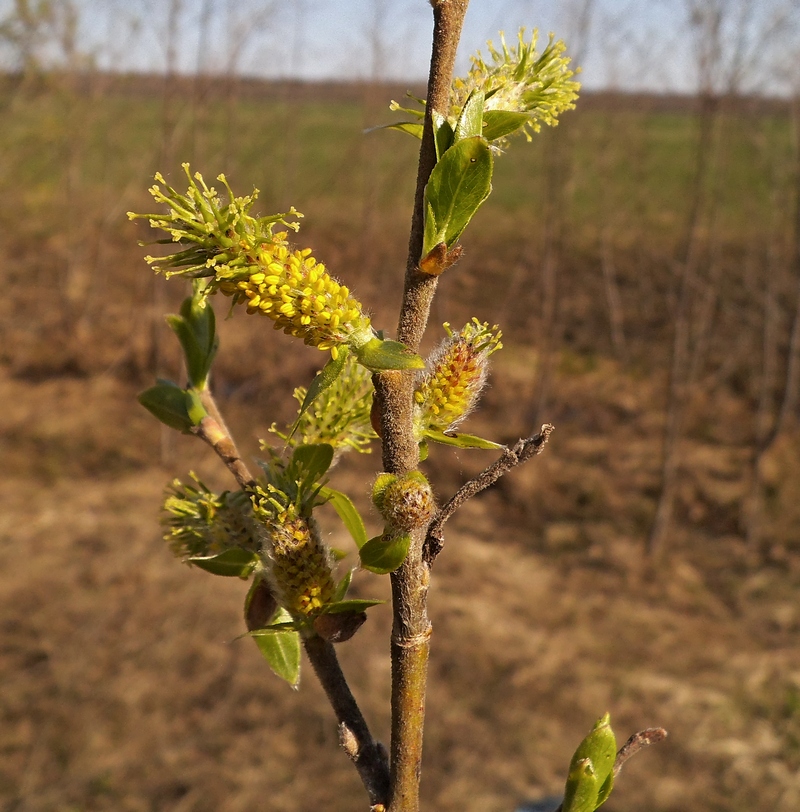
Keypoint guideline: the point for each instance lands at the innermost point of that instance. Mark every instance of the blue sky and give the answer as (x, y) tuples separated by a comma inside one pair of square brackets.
[(627, 44)]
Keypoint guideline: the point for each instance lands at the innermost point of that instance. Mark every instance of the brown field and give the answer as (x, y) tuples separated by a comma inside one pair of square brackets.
[(123, 684)]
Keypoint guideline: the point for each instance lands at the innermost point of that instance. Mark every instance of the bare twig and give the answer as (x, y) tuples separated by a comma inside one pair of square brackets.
[(637, 742), (521, 452), (368, 755)]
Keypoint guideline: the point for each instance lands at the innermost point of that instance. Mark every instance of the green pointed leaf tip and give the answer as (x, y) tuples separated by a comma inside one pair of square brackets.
[(309, 464), (348, 513), (170, 404), (382, 555), (281, 649), (461, 440), (378, 355), (470, 120), (233, 563), (351, 606), (590, 777), (456, 189), (442, 134), (342, 587), (322, 381), (196, 331), (499, 124), (411, 127)]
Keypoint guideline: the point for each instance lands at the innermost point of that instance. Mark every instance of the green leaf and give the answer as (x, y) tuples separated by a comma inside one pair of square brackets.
[(411, 127), (470, 119), (342, 587), (378, 354), (382, 555), (309, 464), (281, 649), (591, 770), (423, 450), (195, 328), (351, 606), (170, 404), (499, 123), (442, 134), (323, 379), (460, 440), (348, 513), (234, 563), (431, 231), (457, 187), (580, 792)]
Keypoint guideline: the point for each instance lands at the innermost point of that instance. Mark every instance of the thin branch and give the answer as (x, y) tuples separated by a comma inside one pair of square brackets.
[(637, 742), (212, 430), (522, 451), (368, 755)]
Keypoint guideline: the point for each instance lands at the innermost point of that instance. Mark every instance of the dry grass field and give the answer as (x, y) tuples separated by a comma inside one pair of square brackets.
[(123, 684)]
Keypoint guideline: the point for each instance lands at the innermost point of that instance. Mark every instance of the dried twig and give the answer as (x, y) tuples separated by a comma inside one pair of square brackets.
[(521, 452)]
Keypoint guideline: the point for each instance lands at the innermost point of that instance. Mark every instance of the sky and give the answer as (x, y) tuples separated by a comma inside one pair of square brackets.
[(621, 44)]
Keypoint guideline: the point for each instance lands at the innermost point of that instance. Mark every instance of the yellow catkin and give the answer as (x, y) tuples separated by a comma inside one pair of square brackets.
[(300, 565)]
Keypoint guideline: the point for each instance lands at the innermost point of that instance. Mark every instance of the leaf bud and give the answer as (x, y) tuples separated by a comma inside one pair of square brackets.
[(406, 502)]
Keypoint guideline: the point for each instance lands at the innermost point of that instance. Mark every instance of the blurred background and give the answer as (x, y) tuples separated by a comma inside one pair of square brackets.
[(643, 261)]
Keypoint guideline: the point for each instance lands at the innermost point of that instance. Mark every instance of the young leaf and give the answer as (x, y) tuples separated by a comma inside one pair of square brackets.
[(342, 587), (309, 464), (580, 793), (378, 354), (233, 563), (411, 127), (470, 119), (457, 187), (382, 555), (460, 440), (348, 513), (281, 649), (442, 134), (170, 404), (351, 606), (323, 379), (591, 769), (196, 330), (500, 123)]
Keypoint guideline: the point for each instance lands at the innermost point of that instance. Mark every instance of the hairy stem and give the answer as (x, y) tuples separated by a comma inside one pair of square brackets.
[(411, 628)]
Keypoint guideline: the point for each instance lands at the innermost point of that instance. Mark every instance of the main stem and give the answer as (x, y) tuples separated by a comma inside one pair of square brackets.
[(394, 390)]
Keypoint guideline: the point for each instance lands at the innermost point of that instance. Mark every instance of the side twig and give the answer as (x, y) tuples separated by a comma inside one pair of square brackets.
[(522, 451), (368, 756)]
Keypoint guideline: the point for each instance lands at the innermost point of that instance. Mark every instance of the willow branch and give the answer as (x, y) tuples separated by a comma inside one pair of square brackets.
[(213, 431), (368, 756), (411, 627), (521, 452)]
